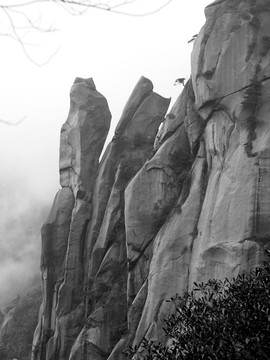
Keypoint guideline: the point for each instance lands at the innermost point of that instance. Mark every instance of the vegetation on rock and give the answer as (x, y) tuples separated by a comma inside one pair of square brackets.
[(227, 319), (251, 105)]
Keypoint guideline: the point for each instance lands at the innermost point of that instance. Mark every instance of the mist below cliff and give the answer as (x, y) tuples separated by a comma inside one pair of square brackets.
[(22, 214)]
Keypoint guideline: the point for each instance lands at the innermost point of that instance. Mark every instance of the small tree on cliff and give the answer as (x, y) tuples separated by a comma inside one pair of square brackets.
[(219, 320)]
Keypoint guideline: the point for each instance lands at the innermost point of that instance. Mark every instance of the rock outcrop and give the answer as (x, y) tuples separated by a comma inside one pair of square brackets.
[(18, 325), (63, 235), (84, 262), (167, 205)]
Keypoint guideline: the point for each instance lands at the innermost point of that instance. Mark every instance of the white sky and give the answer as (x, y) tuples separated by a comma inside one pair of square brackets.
[(113, 49)]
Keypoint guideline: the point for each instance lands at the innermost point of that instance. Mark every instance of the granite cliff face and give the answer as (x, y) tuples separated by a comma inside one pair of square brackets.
[(18, 324), (167, 205)]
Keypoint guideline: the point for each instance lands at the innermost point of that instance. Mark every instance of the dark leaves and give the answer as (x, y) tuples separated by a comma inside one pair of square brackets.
[(221, 320)]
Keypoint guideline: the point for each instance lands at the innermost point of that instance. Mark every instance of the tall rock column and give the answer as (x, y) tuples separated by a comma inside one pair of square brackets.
[(82, 139), (106, 258)]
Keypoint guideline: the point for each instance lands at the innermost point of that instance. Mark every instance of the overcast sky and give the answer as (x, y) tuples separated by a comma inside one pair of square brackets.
[(113, 49)]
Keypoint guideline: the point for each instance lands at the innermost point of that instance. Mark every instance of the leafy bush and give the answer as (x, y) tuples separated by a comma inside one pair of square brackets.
[(227, 319)]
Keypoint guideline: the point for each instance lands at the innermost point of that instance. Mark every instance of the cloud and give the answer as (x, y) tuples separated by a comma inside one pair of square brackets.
[(22, 215)]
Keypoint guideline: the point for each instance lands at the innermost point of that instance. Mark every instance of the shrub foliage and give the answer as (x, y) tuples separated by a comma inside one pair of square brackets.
[(227, 319)]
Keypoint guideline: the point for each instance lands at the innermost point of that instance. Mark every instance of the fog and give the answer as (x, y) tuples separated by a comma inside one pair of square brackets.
[(113, 49), (22, 214)]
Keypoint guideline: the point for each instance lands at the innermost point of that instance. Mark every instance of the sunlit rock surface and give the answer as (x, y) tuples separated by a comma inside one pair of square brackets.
[(168, 205)]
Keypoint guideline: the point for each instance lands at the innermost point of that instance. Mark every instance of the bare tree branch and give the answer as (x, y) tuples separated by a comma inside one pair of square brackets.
[(112, 8), (17, 23), (12, 123), (14, 33), (96, 4)]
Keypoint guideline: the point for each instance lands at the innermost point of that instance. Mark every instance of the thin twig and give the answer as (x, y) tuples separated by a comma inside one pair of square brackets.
[(23, 45), (100, 6), (114, 7), (12, 123), (74, 7), (143, 14), (31, 24)]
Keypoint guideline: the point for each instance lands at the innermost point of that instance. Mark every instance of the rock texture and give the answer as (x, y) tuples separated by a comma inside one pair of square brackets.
[(84, 261), (18, 325), (63, 235), (167, 205)]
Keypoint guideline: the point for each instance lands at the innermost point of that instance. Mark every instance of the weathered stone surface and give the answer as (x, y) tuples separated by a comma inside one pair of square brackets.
[(92, 257), (149, 199), (141, 91), (172, 248), (55, 234), (106, 260), (229, 49), (19, 322), (182, 112), (82, 137), (236, 137), (63, 235), (125, 155), (193, 207), (2, 316), (228, 201), (7, 324), (131, 146)]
